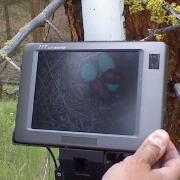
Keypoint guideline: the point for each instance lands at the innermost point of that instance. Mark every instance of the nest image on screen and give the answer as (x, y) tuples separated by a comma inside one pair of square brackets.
[(94, 92)]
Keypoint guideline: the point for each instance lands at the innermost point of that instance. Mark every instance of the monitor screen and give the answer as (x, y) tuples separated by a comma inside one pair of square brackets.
[(91, 95), (89, 91)]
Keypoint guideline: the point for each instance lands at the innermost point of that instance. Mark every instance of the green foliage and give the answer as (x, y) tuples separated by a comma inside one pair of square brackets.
[(3, 55), (19, 162), (8, 42), (155, 8), (172, 19), (134, 6), (159, 37)]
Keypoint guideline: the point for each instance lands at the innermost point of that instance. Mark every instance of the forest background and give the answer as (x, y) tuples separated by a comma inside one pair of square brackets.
[(21, 162)]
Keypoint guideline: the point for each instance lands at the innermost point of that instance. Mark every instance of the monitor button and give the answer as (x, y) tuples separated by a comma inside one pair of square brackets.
[(154, 61)]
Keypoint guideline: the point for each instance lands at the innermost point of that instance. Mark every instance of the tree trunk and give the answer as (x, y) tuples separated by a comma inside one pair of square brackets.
[(73, 11), (6, 15), (137, 28), (1, 89), (38, 32)]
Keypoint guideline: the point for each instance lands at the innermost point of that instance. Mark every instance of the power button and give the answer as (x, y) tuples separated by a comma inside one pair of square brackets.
[(154, 61)]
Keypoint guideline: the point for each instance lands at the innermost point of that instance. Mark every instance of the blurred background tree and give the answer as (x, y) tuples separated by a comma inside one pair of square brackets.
[(6, 16), (35, 10)]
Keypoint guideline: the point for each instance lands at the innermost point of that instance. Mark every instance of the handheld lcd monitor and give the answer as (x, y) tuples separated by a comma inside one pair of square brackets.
[(91, 95)]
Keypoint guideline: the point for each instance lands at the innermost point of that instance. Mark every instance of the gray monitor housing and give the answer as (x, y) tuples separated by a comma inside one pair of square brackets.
[(144, 98)]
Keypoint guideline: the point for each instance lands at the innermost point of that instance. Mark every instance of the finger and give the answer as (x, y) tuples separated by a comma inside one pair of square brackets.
[(154, 147), (170, 171), (170, 164), (171, 154)]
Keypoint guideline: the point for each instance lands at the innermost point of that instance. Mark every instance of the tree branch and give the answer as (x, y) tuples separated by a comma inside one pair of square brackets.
[(55, 29), (13, 64), (48, 29), (5, 58), (170, 10), (164, 30), (28, 28)]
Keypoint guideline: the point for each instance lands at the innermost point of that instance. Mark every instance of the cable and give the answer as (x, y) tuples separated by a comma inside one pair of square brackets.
[(53, 157)]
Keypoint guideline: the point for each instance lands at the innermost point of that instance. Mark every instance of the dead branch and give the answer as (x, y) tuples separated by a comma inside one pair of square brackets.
[(28, 28), (48, 29), (5, 58), (55, 29), (164, 30), (13, 64), (170, 10)]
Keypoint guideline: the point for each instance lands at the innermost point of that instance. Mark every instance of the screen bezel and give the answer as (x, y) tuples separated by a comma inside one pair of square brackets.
[(25, 134)]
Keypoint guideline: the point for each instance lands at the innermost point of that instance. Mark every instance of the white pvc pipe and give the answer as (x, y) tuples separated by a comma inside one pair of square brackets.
[(103, 20)]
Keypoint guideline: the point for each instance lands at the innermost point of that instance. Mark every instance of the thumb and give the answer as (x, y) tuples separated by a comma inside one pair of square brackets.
[(154, 147)]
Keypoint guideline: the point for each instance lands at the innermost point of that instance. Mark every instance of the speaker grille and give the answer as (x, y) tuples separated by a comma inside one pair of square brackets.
[(79, 140)]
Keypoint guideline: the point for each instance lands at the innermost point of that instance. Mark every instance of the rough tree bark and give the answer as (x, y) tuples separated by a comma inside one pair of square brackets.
[(6, 15), (38, 32), (74, 13), (137, 28)]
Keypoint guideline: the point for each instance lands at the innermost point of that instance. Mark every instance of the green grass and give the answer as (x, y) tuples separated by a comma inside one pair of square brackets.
[(19, 162)]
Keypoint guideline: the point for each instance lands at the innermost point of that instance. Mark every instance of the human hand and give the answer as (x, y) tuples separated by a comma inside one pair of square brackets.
[(156, 159)]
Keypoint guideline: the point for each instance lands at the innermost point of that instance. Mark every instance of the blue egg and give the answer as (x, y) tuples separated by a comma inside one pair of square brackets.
[(106, 62), (88, 72), (112, 87)]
